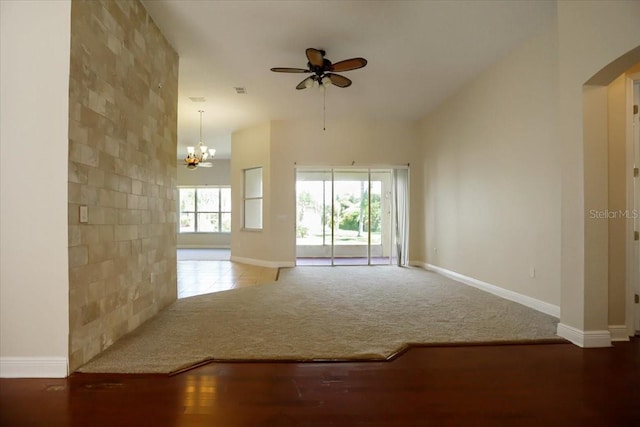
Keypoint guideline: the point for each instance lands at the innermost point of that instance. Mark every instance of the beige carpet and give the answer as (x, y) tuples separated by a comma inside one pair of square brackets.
[(322, 313)]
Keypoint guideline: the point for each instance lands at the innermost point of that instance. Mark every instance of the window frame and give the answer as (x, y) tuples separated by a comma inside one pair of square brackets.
[(246, 199), (195, 212)]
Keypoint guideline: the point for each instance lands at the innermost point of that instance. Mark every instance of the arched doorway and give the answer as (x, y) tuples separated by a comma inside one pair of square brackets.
[(591, 291)]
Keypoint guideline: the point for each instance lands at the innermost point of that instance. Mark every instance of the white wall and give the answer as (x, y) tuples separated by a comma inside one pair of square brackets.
[(492, 178), (344, 142), (251, 148), (529, 138), (595, 164), (34, 285), (591, 35), (617, 107), (280, 145), (219, 174)]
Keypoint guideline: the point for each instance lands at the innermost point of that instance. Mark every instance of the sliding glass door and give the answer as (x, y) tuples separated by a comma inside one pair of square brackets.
[(314, 235), (382, 220), (350, 217), (345, 217)]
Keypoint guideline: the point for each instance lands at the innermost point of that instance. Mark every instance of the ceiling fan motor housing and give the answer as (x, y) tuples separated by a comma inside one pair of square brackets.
[(320, 70)]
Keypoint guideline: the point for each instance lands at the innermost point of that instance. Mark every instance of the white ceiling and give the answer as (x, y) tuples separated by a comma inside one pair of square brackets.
[(419, 53)]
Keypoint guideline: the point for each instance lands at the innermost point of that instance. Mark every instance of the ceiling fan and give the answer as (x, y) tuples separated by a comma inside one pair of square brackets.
[(323, 70)]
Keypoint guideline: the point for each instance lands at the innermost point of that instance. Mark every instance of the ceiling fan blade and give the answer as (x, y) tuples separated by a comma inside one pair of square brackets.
[(303, 84), (205, 165), (349, 64), (315, 57), (289, 70), (339, 80)]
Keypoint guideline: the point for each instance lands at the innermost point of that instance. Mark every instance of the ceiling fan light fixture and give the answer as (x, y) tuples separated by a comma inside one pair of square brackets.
[(326, 81)]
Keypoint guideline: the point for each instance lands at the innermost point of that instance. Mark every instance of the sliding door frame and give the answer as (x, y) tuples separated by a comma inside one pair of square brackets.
[(369, 169)]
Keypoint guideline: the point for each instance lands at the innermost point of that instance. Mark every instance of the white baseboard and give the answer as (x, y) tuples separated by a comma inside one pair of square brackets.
[(34, 367), (263, 263), (619, 332), (203, 247), (536, 304), (585, 339)]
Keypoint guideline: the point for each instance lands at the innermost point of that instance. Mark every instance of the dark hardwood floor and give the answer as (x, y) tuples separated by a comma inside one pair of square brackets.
[(536, 385)]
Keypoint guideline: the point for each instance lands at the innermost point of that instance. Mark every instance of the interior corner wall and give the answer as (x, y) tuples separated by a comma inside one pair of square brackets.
[(596, 268), (251, 148), (591, 35), (617, 106), (279, 145), (219, 174), (34, 283), (123, 89), (492, 193)]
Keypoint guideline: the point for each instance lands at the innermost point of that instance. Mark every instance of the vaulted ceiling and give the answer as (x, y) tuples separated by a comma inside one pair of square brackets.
[(419, 53)]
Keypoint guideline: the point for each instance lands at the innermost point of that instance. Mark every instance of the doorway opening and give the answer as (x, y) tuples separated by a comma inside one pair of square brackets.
[(351, 216)]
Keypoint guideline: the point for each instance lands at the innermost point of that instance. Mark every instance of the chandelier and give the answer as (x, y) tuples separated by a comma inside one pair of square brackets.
[(197, 157)]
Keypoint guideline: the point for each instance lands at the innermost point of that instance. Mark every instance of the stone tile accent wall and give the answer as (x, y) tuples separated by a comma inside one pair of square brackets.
[(122, 149)]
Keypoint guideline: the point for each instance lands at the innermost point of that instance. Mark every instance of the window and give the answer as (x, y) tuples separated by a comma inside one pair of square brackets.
[(205, 210), (252, 199)]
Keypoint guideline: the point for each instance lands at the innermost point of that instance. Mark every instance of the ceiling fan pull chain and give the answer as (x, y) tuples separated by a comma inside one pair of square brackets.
[(324, 109)]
